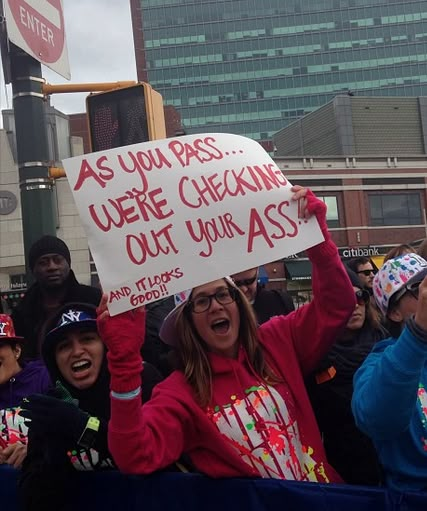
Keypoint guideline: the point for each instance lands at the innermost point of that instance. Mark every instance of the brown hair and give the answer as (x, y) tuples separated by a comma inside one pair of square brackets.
[(192, 350), (422, 249), (399, 250), (372, 316)]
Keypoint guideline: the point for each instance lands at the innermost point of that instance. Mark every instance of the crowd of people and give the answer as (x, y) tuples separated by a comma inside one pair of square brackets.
[(227, 380)]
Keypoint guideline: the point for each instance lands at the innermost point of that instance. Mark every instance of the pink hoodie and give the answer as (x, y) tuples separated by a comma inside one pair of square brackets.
[(250, 429)]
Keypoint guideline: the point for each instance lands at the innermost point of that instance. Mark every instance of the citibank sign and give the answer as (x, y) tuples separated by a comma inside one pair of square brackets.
[(347, 252), (359, 252)]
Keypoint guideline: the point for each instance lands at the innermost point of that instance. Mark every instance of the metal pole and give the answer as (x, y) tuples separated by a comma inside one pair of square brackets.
[(32, 148), (49, 89)]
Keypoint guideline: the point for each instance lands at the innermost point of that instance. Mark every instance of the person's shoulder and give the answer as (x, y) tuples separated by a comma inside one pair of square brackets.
[(151, 372), (35, 369), (380, 346), (85, 293), (26, 303), (272, 302), (277, 327), (92, 290), (276, 295), (175, 385), (176, 377)]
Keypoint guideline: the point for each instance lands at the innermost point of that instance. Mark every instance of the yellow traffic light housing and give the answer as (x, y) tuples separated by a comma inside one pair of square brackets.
[(125, 116), (56, 172)]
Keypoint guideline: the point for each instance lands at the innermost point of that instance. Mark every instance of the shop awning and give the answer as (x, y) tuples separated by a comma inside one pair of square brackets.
[(299, 270)]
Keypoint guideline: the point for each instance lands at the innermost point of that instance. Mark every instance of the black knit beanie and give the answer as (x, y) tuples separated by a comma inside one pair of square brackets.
[(353, 278), (48, 245)]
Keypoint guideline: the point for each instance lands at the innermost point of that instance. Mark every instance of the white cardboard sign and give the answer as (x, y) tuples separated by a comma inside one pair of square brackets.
[(168, 215)]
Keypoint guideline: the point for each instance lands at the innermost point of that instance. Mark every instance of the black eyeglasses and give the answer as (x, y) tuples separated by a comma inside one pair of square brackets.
[(362, 297), (202, 303), (246, 282), (409, 288), (367, 272)]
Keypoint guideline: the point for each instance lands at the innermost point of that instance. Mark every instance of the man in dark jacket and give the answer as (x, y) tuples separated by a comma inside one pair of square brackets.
[(364, 269), (55, 284), (265, 302)]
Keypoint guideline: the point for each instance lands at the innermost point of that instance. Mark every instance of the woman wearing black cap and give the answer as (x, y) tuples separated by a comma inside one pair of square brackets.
[(68, 428), (348, 450)]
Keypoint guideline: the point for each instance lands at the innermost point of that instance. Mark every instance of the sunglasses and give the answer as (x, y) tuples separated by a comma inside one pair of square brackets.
[(246, 282), (367, 272), (409, 288), (362, 297)]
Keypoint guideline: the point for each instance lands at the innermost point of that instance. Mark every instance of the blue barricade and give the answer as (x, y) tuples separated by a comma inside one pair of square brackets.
[(175, 491)]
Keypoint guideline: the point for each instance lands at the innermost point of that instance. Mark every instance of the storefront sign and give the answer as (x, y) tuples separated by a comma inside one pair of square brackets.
[(359, 252), (18, 282)]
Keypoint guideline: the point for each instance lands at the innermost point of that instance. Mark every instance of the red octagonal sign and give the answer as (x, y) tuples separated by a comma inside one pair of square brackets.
[(37, 26)]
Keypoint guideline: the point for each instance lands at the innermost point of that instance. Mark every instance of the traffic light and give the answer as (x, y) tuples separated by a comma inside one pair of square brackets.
[(125, 116)]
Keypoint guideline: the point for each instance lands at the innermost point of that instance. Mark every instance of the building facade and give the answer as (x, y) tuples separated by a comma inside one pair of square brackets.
[(374, 204), (252, 66), (12, 262), (363, 125)]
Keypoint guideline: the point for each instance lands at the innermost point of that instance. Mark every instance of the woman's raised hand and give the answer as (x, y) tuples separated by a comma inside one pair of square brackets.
[(310, 205), (126, 328), (123, 335)]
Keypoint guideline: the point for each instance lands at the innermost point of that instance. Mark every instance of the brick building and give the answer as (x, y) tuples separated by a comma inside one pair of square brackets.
[(375, 181), (374, 203)]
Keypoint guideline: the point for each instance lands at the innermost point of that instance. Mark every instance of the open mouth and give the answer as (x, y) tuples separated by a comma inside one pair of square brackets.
[(221, 326), (80, 366)]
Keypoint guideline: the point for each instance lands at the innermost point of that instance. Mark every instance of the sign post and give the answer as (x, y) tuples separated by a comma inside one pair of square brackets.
[(32, 148), (36, 34)]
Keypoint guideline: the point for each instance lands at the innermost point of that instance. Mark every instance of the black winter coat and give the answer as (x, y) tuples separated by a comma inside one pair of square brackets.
[(271, 302), (348, 450), (29, 316)]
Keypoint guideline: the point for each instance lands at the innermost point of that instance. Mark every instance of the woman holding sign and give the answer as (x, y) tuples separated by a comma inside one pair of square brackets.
[(237, 405)]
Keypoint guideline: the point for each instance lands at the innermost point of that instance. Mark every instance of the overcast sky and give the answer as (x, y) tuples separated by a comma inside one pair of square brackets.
[(100, 49)]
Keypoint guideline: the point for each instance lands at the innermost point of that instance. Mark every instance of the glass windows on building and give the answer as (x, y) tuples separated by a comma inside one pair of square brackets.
[(395, 209), (253, 66), (332, 217)]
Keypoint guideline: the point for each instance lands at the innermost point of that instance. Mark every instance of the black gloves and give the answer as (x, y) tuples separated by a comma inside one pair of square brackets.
[(53, 417)]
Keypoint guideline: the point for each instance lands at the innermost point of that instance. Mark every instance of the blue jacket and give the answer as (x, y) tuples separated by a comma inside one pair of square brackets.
[(390, 405)]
